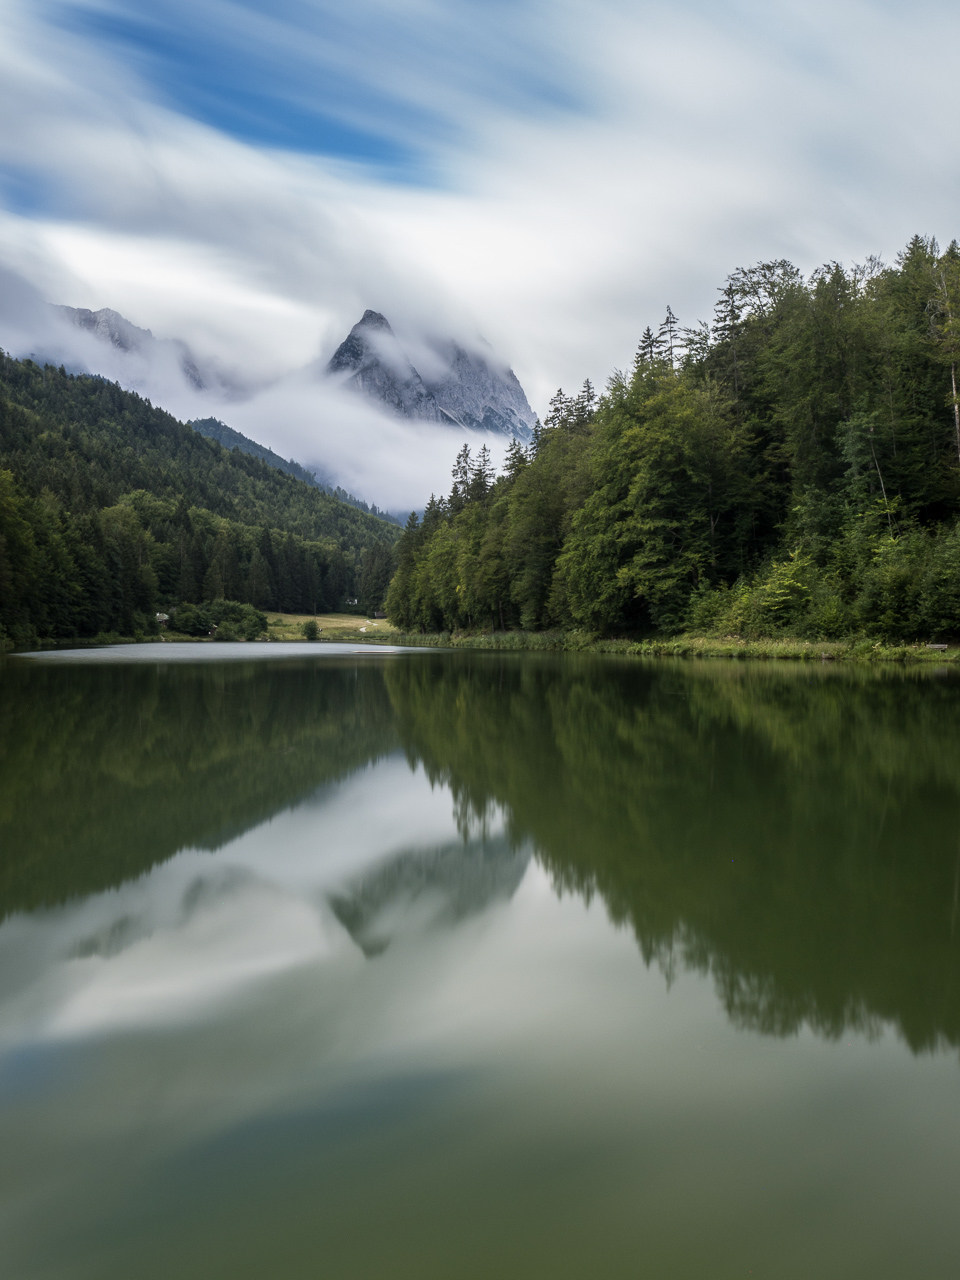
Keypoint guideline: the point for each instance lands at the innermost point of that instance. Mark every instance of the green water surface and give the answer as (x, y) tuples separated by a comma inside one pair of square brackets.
[(348, 965)]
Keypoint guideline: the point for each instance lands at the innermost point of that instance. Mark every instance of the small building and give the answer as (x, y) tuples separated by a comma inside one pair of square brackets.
[(163, 619)]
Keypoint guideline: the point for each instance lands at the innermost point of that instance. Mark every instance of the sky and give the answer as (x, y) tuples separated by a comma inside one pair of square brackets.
[(249, 176)]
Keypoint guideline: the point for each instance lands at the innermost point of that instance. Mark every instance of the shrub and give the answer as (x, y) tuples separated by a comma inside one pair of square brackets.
[(242, 621)]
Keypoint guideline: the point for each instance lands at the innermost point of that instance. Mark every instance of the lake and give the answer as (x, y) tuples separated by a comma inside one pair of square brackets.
[(326, 963)]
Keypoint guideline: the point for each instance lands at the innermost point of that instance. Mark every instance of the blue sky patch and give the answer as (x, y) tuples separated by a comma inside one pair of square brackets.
[(365, 84), (26, 191)]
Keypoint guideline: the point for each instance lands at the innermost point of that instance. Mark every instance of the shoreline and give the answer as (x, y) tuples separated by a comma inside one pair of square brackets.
[(690, 646), (683, 646)]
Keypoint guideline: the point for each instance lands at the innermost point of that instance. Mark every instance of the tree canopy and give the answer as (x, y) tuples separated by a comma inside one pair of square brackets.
[(795, 466)]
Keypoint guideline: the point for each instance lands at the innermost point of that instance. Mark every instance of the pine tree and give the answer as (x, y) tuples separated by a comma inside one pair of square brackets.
[(462, 474), (516, 459), (481, 475), (258, 590), (585, 404), (651, 349), (670, 338)]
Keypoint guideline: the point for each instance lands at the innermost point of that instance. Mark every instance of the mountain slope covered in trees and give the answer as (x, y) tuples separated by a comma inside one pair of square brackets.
[(793, 468), (214, 429), (111, 509)]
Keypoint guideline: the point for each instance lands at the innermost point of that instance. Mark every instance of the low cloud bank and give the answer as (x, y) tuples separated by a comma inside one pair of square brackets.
[(395, 462)]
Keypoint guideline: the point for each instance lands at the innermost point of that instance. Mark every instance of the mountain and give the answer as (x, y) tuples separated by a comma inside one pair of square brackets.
[(429, 887), (371, 360), (454, 386), (214, 429), (115, 329), (460, 388)]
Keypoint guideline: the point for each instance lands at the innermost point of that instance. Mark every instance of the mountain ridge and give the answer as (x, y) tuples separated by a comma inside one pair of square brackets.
[(468, 390), (111, 327), (214, 429)]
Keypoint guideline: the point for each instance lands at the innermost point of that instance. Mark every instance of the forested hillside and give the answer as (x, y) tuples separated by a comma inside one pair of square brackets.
[(110, 510), (214, 429), (792, 468)]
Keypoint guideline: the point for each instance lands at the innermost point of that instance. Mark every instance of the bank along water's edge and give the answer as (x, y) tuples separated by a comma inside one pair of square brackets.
[(331, 628), (861, 649)]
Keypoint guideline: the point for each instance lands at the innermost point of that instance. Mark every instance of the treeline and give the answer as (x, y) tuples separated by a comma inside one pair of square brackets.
[(793, 467), (111, 510)]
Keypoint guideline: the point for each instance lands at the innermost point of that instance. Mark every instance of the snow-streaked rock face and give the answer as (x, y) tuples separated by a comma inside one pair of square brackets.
[(479, 394), (464, 389), (371, 359), (111, 326)]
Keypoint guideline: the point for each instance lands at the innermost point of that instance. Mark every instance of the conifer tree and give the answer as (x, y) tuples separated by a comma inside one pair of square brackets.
[(669, 337)]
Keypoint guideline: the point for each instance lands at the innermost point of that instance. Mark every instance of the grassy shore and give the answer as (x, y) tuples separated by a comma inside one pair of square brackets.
[(340, 627), (352, 629), (346, 628), (691, 646), (343, 628)]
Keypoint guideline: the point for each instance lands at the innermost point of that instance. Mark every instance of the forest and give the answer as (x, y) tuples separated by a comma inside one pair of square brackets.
[(792, 468), (111, 511)]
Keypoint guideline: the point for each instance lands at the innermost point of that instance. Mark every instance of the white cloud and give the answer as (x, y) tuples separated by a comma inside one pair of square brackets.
[(396, 462)]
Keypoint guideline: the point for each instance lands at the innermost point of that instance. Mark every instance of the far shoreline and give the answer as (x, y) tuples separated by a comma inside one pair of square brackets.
[(691, 647)]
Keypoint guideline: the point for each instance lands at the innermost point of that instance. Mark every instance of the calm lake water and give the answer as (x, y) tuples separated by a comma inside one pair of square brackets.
[(467, 965)]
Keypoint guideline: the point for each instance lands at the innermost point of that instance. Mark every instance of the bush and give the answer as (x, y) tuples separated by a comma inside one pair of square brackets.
[(248, 622), (191, 620), (233, 620), (310, 630)]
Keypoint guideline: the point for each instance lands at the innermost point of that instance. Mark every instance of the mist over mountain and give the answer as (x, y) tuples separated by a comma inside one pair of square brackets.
[(106, 344), (214, 429), (115, 329), (392, 444), (459, 388)]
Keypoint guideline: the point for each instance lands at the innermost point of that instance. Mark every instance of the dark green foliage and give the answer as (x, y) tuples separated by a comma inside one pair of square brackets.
[(214, 429), (110, 509), (222, 619), (376, 570), (794, 470)]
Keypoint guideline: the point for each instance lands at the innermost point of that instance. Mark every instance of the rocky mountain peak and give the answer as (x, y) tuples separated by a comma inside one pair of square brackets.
[(371, 360), (113, 328), (374, 320), (109, 326), (466, 389)]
